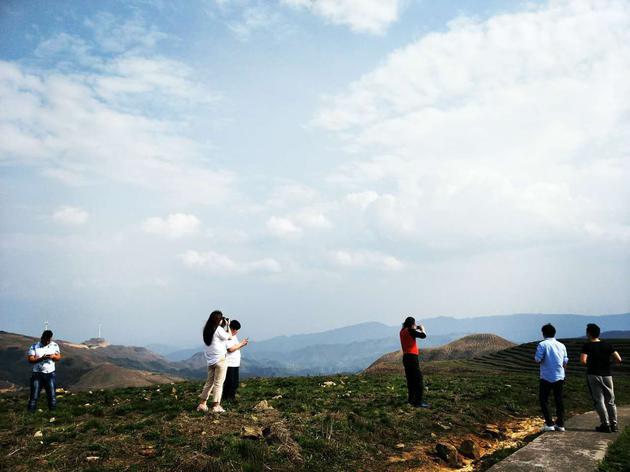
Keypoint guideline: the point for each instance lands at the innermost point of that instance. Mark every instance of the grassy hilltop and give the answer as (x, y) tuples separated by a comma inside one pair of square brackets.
[(357, 422)]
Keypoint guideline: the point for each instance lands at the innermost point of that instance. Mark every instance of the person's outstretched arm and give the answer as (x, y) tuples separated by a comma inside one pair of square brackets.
[(238, 346), (616, 357)]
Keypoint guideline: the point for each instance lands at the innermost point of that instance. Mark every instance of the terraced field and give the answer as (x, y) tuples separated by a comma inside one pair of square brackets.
[(520, 358)]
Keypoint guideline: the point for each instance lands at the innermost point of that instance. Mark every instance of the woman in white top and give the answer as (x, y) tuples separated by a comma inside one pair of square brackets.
[(215, 350)]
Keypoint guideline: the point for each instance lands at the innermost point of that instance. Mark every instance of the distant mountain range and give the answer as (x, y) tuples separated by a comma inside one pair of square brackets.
[(349, 349), (354, 348)]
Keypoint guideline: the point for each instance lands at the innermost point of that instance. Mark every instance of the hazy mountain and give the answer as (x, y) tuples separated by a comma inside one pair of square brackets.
[(615, 335), (353, 348), (347, 349), (467, 347), (109, 375), (522, 328), (78, 359)]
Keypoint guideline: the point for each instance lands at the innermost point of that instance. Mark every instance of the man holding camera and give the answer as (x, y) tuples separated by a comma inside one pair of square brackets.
[(43, 356)]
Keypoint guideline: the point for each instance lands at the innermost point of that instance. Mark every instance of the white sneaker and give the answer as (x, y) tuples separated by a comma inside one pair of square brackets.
[(546, 428), (218, 409), (202, 407), (560, 428)]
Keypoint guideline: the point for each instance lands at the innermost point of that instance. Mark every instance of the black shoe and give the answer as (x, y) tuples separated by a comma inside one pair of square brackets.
[(603, 428), (614, 428)]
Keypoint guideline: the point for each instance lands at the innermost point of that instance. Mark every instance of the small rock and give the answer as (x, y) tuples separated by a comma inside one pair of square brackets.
[(399, 446), (243, 385), (148, 451), (433, 435), (51, 420), (444, 427), (60, 390), (38, 434), (492, 431), (448, 453), (507, 386), (86, 405), (203, 433), (262, 405), (92, 458), (174, 391), (469, 448), (277, 397), (90, 392), (251, 432), (329, 383)]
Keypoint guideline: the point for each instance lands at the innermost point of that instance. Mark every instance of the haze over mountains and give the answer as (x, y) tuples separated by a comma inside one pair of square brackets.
[(349, 349), (354, 348)]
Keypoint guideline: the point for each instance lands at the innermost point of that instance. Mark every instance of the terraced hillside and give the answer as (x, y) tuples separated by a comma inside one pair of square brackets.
[(520, 358), (468, 347)]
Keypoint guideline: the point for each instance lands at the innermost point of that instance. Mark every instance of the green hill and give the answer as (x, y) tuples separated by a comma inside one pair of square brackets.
[(336, 423), (470, 346)]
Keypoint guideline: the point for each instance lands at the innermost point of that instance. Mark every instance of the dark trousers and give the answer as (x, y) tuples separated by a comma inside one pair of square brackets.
[(46, 381), (545, 389), (231, 383), (415, 385)]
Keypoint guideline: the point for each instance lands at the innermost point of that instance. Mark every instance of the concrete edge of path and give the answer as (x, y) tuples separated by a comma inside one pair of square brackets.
[(579, 449)]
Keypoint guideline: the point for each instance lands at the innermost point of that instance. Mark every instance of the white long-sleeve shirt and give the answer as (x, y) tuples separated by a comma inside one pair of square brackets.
[(217, 349)]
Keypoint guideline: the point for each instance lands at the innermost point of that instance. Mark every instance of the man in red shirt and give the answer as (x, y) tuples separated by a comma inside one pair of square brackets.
[(408, 335)]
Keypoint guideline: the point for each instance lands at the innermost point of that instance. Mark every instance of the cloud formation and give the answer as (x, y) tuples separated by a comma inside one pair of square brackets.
[(174, 226), (366, 16), (503, 132), (69, 215), (220, 263), (90, 118)]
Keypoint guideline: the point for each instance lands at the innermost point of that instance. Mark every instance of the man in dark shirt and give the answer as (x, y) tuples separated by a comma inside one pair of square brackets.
[(596, 356), (415, 387)]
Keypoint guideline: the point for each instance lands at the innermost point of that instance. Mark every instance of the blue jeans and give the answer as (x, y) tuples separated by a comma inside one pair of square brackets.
[(49, 383)]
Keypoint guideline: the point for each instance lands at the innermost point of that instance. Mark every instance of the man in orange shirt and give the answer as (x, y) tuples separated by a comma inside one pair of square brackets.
[(408, 335)]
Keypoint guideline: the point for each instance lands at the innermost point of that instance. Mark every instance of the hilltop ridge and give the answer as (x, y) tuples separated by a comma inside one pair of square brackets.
[(468, 347)]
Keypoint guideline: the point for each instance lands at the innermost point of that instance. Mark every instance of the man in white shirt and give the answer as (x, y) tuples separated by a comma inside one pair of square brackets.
[(43, 356), (233, 362)]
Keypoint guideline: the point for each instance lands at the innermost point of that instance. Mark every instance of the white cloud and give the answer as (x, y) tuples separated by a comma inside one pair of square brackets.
[(283, 228), (361, 199), (313, 218), (367, 16), (495, 133), (99, 123), (174, 226), (71, 216), (255, 18), (365, 259), (215, 262)]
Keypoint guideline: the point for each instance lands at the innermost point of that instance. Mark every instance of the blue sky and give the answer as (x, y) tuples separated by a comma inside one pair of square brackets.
[(307, 165)]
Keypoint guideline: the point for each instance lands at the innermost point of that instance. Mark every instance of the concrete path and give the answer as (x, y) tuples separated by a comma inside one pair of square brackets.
[(579, 449)]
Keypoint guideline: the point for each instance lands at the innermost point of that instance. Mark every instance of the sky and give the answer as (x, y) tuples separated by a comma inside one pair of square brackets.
[(306, 165)]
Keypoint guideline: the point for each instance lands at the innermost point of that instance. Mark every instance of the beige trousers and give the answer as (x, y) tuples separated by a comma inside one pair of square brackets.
[(214, 384)]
